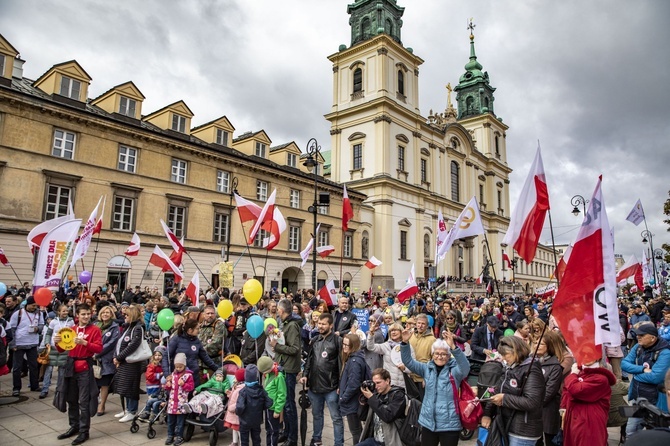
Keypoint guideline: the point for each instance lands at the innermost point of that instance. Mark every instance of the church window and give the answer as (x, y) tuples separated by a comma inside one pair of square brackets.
[(455, 181), (401, 82), (401, 158), (481, 195), (388, 27), (486, 102), (358, 80), (470, 104), (424, 170), (426, 246), (365, 28), (403, 245), (497, 146), (358, 156), (365, 243)]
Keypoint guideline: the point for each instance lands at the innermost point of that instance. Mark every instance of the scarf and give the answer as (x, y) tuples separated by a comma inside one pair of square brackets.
[(451, 326)]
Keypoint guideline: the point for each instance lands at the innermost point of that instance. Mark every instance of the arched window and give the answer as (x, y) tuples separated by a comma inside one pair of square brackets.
[(455, 181), (401, 82), (426, 246), (497, 147), (365, 28), (358, 80), (365, 243), (486, 102), (388, 27), (470, 104)]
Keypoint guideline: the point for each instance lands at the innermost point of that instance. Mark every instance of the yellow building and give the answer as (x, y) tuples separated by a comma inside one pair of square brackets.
[(59, 145)]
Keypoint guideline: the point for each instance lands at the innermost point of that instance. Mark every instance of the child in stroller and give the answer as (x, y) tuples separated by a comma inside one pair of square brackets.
[(154, 407), (209, 398)]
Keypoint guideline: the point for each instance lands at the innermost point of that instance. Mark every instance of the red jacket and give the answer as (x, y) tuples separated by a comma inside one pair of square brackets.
[(586, 398), (93, 335)]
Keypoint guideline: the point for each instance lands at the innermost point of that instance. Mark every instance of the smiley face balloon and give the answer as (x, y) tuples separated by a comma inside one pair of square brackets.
[(67, 336)]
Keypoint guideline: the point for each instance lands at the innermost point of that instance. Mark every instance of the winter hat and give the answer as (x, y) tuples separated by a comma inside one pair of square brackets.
[(180, 358), (51, 315), (239, 375), (251, 374), (219, 372), (160, 350), (30, 300), (265, 364)]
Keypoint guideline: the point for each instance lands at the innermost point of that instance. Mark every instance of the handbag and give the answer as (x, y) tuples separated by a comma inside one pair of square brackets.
[(43, 358), (142, 353), (467, 405), (409, 429), (97, 370)]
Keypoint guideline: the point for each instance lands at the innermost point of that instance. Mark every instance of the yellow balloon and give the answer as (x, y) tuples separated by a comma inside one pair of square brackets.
[(379, 287), (67, 338), (252, 291), (225, 309)]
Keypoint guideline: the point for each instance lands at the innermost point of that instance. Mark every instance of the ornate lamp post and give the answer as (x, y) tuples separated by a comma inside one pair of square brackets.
[(659, 255), (576, 201), (648, 236), (233, 191), (312, 163)]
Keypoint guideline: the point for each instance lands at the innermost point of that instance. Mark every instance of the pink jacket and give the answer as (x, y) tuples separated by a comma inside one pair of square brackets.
[(179, 394), (231, 417)]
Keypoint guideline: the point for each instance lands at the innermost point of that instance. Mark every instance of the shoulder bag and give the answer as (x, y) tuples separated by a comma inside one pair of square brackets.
[(142, 353), (467, 406)]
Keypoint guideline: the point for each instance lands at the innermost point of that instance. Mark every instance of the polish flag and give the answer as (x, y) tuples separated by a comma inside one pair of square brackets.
[(38, 233), (526, 222), (629, 269), (98, 224), (410, 288), (304, 254), (585, 307), (347, 210), (325, 251), (3, 258), (86, 235), (161, 260), (266, 215), (177, 245), (480, 279), (562, 264), (489, 289), (193, 289), (134, 248), (328, 293), (506, 261), (275, 228), (373, 263), (248, 210)]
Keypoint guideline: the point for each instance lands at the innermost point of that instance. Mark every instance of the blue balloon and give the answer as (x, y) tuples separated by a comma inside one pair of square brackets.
[(651, 282), (3, 289), (431, 321), (255, 326)]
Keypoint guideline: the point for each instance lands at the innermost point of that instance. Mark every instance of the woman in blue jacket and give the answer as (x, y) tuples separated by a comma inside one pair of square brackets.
[(354, 372), (187, 342), (439, 421)]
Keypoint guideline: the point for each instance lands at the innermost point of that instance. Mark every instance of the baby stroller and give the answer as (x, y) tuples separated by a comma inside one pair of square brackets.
[(160, 416)]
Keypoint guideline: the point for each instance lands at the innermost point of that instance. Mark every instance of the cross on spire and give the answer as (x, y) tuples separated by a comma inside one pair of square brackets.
[(471, 27)]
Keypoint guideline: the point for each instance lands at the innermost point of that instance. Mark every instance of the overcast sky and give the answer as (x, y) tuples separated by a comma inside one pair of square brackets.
[(588, 79)]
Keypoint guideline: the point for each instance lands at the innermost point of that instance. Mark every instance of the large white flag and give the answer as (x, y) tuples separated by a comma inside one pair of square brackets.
[(55, 251), (647, 270), (468, 224), (86, 235), (441, 237), (304, 254)]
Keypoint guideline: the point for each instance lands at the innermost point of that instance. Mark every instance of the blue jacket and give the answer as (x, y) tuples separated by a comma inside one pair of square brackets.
[(109, 340), (664, 332), (193, 349), (355, 372), (438, 408), (645, 385)]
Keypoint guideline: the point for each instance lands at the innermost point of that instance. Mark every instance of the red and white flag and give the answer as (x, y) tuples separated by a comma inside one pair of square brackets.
[(274, 228), (161, 260), (54, 254), (489, 289), (98, 224), (193, 289), (177, 256), (177, 245), (38, 233), (525, 227), (585, 307), (248, 210), (373, 263), (441, 237), (134, 248), (328, 293), (325, 251), (480, 279), (86, 236), (629, 269), (266, 215), (468, 224), (304, 254), (410, 289), (3, 258), (347, 210), (562, 264), (636, 215), (506, 260)]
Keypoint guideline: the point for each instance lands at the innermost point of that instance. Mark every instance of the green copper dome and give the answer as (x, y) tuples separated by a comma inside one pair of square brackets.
[(474, 94), (370, 18)]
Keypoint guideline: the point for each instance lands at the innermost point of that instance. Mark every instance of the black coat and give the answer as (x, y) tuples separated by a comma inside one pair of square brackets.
[(553, 379), (480, 342), (354, 373), (128, 375)]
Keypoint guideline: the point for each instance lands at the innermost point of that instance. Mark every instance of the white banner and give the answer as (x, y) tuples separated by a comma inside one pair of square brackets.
[(55, 250)]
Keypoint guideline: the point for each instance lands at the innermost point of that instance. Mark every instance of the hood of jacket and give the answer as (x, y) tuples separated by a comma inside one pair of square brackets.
[(611, 379)]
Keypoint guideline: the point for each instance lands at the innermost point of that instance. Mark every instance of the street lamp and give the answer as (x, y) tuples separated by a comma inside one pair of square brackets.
[(648, 236), (576, 201), (233, 191), (312, 164)]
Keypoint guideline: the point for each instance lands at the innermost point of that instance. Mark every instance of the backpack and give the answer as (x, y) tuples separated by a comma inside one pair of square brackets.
[(409, 429), (489, 376)]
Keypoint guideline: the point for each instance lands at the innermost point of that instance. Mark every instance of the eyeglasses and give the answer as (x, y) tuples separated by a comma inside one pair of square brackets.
[(450, 318), (441, 354), (345, 345)]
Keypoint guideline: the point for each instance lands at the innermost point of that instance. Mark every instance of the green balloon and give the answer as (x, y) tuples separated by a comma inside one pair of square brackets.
[(509, 332), (165, 319)]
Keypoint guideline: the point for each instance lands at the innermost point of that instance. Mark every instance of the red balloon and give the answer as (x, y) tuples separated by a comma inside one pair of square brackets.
[(42, 297)]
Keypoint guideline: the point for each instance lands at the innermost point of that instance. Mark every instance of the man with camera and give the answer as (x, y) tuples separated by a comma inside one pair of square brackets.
[(660, 434), (387, 404), (646, 365)]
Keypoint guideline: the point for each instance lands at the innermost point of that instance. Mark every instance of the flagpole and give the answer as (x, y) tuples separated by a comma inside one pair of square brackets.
[(198, 268), (159, 274), (553, 247), (246, 242), (144, 273), (267, 251), (17, 276), (359, 270), (95, 255), (240, 257), (341, 259), (495, 277)]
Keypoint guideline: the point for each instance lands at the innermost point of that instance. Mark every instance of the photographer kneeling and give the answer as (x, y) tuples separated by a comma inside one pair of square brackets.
[(387, 405)]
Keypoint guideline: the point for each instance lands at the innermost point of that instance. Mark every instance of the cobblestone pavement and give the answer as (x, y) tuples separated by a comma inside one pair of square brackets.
[(36, 422)]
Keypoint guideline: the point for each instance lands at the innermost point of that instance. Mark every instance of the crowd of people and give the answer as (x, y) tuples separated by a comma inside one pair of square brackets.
[(421, 350)]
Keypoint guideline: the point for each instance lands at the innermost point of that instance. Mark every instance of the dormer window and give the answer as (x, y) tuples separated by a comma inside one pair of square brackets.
[(127, 106), (260, 149), (221, 137), (70, 88), (292, 160), (178, 123)]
